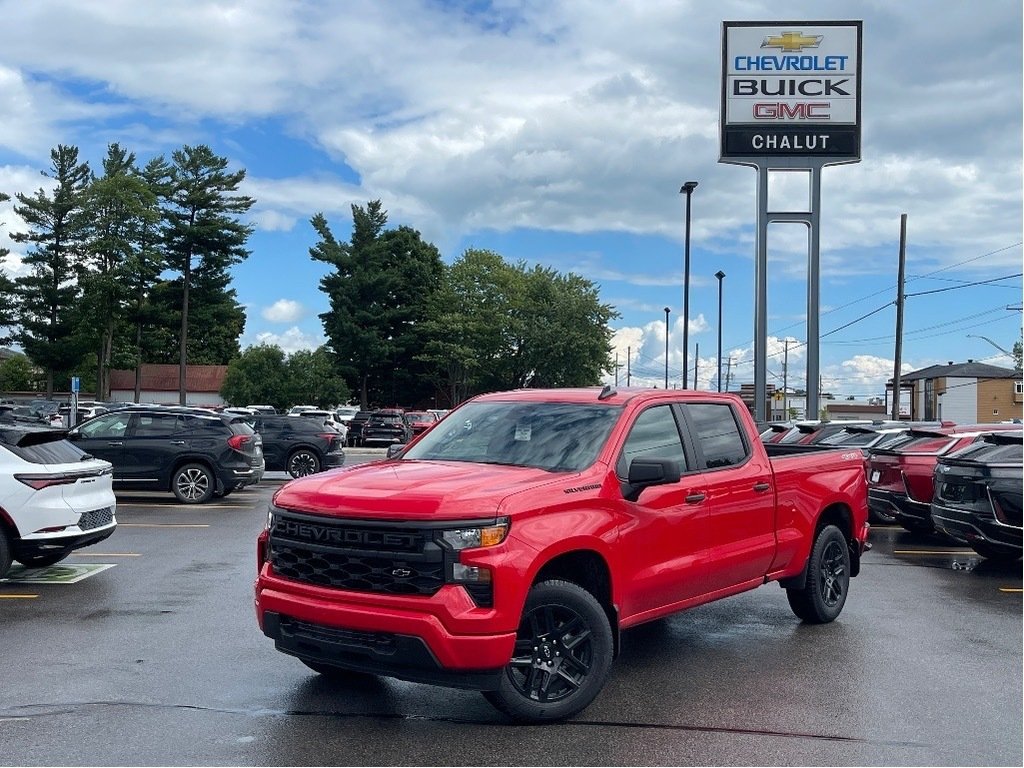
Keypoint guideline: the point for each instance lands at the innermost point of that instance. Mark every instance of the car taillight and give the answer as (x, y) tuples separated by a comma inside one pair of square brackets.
[(38, 482), (237, 442)]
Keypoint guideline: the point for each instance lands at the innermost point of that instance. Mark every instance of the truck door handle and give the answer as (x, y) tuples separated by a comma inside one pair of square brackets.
[(115, 443), (695, 498), (762, 487)]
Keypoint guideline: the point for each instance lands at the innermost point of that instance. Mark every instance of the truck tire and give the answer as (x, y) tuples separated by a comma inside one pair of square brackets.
[(303, 462), (823, 595), (192, 484), (562, 657), (5, 552)]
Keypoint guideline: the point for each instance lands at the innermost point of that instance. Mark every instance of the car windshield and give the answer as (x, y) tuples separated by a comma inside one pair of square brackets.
[(559, 437), (416, 416), (378, 419)]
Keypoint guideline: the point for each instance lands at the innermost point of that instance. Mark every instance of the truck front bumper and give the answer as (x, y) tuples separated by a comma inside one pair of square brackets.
[(400, 637)]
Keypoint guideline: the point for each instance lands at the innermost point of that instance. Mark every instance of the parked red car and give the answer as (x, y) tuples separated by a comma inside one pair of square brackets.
[(900, 482), (420, 421)]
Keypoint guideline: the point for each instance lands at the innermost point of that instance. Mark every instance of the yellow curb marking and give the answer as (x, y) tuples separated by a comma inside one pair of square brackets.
[(17, 597), (105, 554), (1015, 590), (935, 552)]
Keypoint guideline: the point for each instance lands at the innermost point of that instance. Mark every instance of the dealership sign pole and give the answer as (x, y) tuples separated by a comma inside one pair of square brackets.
[(790, 102)]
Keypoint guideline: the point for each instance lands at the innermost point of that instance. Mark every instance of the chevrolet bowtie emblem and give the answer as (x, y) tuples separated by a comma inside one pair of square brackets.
[(792, 41)]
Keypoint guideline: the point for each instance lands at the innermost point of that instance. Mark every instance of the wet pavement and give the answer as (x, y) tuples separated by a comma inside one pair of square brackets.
[(159, 661)]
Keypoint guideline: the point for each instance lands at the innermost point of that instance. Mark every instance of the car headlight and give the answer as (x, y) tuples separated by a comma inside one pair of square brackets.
[(467, 538)]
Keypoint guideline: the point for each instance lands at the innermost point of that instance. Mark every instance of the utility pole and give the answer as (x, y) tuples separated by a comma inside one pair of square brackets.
[(728, 375), (785, 381), (629, 354), (616, 369), (899, 319), (696, 365)]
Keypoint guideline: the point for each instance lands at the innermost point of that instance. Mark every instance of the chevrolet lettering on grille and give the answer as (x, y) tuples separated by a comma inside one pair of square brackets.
[(352, 537)]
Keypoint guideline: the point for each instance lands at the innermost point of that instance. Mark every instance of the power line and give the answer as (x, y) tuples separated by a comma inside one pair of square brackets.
[(965, 285)]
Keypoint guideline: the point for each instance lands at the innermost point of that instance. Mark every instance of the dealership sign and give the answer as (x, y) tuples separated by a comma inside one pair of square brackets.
[(791, 89)]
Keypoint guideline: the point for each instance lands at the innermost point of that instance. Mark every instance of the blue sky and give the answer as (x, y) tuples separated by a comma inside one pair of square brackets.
[(559, 133)]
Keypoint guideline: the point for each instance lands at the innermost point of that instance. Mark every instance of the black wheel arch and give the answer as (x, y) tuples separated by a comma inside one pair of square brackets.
[(841, 517), (589, 570)]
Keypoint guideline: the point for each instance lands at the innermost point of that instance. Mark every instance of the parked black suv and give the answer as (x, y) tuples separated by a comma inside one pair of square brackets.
[(355, 427), (978, 492), (299, 446), (193, 453), (386, 426)]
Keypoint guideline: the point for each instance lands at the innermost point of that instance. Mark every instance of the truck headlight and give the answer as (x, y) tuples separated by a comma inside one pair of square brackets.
[(467, 538)]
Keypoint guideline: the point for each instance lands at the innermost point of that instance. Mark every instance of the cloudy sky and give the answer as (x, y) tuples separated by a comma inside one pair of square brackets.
[(559, 132)]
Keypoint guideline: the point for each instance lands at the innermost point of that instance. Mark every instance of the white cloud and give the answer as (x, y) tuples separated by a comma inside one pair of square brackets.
[(283, 311), (290, 341)]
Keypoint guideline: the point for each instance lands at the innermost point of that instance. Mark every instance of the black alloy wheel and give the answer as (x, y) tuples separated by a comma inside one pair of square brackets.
[(562, 656), (823, 595), (303, 462), (192, 484)]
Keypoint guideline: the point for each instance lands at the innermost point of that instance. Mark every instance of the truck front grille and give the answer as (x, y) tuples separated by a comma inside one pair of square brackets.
[(365, 557)]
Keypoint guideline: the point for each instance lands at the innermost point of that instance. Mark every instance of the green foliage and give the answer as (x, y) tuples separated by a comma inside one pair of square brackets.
[(379, 294), (202, 226), (496, 326), (1018, 353), (122, 210), (58, 221), (258, 375), (262, 374), (8, 291), (313, 379), (16, 374), (216, 321)]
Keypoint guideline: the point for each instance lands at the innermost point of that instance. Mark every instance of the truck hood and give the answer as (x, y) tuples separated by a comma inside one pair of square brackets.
[(411, 490)]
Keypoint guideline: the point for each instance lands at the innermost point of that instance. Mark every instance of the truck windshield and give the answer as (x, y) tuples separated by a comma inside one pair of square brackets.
[(559, 437)]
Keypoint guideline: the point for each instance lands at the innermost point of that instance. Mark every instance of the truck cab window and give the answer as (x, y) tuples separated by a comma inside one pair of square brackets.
[(718, 434), (654, 435)]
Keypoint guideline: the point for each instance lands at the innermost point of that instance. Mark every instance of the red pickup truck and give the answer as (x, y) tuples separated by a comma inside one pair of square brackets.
[(507, 547)]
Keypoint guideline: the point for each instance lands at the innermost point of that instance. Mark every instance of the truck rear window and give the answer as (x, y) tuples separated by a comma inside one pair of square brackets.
[(559, 437)]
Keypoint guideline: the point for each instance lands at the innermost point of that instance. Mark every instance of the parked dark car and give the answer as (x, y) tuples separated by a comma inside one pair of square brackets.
[(355, 427), (22, 414), (978, 492), (299, 446), (193, 453), (901, 477), (386, 426)]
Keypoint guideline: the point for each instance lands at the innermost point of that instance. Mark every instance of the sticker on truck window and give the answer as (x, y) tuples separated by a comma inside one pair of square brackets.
[(522, 433)]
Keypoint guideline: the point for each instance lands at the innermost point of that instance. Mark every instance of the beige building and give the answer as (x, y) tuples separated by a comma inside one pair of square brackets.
[(966, 393)]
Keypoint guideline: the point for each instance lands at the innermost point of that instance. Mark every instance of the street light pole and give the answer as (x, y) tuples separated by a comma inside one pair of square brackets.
[(667, 310), (986, 338), (721, 276), (686, 189)]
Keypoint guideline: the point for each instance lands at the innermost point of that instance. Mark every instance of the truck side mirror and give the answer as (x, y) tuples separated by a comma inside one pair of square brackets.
[(394, 450), (645, 472)]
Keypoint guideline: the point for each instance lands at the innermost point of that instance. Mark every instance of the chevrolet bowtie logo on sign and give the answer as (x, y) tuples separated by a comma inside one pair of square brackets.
[(791, 89), (792, 41)]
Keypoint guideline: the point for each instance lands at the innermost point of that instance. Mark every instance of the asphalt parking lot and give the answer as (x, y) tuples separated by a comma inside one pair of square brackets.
[(157, 660)]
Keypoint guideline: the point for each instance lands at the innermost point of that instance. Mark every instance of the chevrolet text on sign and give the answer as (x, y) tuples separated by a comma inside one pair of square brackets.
[(791, 89)]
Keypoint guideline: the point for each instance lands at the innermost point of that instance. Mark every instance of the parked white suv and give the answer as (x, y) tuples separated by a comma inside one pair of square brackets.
[(55, 497)]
